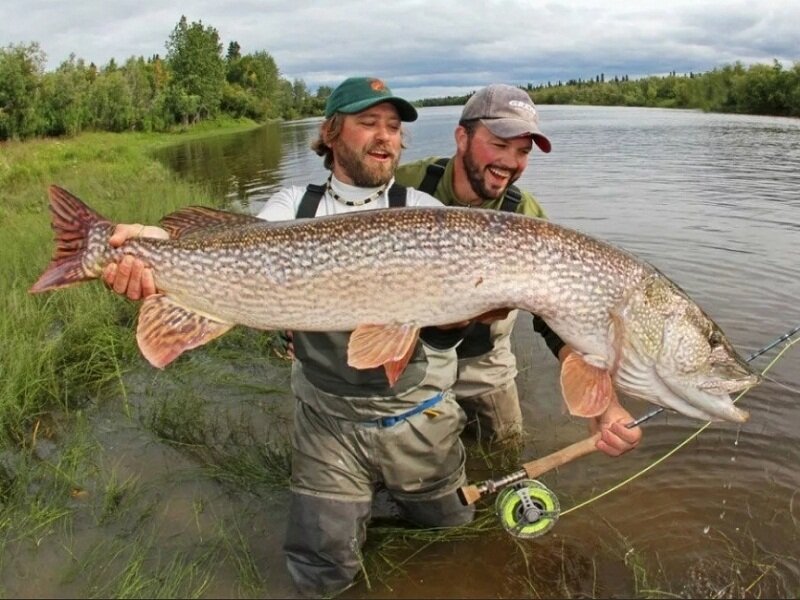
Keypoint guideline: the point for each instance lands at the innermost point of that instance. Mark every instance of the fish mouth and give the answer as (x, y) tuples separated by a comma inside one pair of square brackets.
[(640, 379), (731, 386), (693, 403)]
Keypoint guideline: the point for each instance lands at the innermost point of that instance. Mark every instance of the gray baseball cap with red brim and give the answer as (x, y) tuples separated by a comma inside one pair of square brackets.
[(507, 112)]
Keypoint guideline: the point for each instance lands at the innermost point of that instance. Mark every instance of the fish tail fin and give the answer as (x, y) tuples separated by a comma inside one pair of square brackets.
[(73, 223)]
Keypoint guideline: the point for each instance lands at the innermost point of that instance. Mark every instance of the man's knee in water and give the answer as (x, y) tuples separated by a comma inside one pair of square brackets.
[(323, 543)]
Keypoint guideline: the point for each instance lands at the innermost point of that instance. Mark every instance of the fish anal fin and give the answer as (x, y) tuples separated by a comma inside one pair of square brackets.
[(390, 346), (192, 219), (587, 389), (167, 329)]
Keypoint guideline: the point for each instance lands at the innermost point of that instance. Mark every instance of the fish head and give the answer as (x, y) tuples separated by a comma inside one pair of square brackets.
[(674, 355)]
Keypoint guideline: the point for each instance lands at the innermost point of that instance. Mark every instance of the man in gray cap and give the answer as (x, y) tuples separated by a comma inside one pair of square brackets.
[(498, 128)]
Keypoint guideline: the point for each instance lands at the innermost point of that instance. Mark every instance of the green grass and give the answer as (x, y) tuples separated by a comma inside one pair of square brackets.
[(123, 568), (59, 348), (63, 355)]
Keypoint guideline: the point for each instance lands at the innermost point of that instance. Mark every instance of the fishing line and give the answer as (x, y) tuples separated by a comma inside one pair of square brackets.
[(694, 435), (756, 354)]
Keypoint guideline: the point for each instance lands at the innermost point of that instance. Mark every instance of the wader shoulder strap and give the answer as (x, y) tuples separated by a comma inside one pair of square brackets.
[(433, 175), (397, 196), (310, 201), (512, 199)]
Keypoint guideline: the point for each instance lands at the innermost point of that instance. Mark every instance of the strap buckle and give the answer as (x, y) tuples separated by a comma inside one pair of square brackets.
[(421, 407)]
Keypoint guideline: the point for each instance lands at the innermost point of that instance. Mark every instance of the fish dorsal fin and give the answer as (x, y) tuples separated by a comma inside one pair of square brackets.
[(167, 329), (390, 346), (192, 219), (587, 389)]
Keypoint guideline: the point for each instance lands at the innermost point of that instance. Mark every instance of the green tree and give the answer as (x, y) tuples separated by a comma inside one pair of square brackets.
[(763, 90), (110, 102), (65, 98), (255, 78), (194, 56), (21, 69), (234, 51)]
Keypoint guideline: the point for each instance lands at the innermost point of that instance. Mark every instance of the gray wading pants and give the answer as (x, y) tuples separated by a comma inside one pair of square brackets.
[(486, 388), (495, 415), (336, 466)]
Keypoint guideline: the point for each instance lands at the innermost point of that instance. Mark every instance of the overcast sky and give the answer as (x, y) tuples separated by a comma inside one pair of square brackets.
[(429, 48)]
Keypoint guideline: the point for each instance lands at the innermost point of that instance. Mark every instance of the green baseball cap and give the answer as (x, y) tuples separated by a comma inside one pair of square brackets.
[(359, 93)]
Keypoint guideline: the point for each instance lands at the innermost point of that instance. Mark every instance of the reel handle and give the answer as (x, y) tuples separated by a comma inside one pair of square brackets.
[(470, 494)]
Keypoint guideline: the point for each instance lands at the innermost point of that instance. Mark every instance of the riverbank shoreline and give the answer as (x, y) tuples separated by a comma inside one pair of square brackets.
[(92, 437)]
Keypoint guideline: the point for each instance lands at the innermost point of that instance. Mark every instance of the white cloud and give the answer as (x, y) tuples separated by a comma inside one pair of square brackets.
[(439, 45)]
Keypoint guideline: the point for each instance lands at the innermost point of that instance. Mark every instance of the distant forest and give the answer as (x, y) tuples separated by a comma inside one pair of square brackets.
[(195, 81), (192, 82), (758, 89)]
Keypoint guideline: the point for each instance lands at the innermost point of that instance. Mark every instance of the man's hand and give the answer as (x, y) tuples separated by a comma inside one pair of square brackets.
[(131, 277), (615, 438), (284, 344)]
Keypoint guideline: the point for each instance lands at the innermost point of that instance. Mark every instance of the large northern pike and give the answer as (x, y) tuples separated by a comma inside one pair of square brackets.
[(383, 274)]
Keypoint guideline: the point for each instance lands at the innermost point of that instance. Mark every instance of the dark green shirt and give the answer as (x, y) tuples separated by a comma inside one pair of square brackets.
[(412, 174)]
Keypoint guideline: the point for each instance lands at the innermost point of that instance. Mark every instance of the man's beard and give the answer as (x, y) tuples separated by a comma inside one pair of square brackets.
[(476, 179), (363, 175)]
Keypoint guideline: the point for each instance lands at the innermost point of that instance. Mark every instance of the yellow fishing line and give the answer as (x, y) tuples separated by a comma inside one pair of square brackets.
[(676, 448)]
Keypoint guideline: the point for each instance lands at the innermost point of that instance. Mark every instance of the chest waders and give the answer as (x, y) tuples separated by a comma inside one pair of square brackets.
[(328, 351)]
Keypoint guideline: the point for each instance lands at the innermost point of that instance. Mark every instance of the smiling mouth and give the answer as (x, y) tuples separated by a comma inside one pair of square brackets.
[(380, 155), (499, 173)]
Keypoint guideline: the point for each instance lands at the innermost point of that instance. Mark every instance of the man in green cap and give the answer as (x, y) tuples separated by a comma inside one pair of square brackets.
[(498, 128), (353, 431)]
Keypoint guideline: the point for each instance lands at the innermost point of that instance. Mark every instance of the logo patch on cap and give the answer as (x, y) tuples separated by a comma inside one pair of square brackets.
[(520, 104), (377, 85)]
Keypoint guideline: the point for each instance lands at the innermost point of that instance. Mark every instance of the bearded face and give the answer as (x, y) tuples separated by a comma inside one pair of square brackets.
[(492, 163), (368, 148), (371, 165)]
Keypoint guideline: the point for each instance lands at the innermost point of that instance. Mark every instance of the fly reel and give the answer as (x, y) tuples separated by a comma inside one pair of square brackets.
[(527, 509)]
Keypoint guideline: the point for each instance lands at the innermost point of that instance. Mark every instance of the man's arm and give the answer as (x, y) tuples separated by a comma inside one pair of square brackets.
[(552, 340)]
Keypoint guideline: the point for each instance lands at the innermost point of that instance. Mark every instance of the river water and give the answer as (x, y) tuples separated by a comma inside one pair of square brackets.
[(712, 201)]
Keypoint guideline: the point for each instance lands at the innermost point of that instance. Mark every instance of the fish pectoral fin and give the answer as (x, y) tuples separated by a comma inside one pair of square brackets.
[(391, 346), (167, 329), (587, 389), (192, 219)]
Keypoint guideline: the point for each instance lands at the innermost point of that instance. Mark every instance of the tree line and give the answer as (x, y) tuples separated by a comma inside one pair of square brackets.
[(192, 82), (195, 80), (758, 89)]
